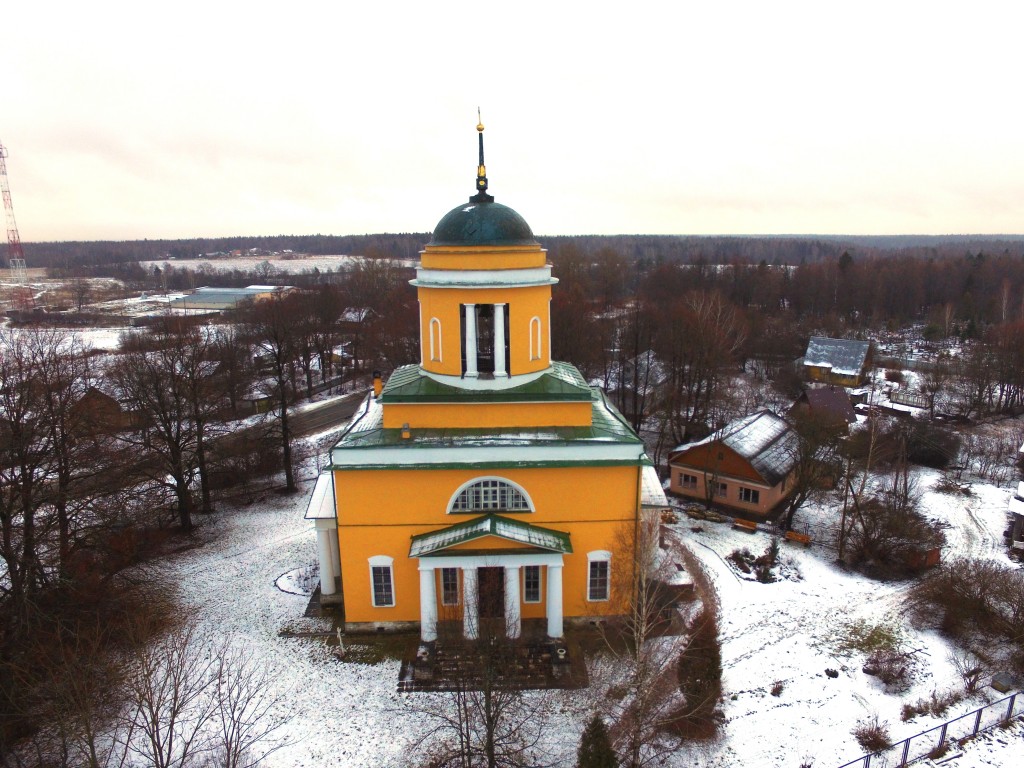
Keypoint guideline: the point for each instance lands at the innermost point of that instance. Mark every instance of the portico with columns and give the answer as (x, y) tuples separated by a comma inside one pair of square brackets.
[(541, 549), (487, 482)]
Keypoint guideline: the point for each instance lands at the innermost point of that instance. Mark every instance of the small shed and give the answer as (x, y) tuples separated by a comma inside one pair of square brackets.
[(830, 402), (843, 362)]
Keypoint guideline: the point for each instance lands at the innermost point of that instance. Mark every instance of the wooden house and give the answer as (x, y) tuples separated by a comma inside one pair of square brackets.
[(842, 362), (745, 466)]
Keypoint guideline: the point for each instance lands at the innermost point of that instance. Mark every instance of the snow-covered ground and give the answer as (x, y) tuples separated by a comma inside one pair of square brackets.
[(793, 630), (349, 713), (292, 265)]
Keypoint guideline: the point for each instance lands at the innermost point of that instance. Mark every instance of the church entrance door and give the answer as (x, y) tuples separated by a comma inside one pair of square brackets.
[(492, 593)]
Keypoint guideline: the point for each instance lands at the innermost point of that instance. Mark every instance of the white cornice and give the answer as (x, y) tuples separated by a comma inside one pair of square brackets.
[(479, 385), (516, 451), (483, 278)]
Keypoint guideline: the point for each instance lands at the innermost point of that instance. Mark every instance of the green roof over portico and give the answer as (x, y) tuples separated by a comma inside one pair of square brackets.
[(436, 542)]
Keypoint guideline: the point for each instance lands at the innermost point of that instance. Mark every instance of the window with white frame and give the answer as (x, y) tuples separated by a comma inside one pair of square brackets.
[(490, 495), (750, 495), (531, 583), (449, 586), (599, 575), (721, 490), (382, 582), (687, 482)]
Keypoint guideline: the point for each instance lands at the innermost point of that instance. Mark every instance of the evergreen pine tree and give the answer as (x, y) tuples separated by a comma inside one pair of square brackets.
[(595, 746)]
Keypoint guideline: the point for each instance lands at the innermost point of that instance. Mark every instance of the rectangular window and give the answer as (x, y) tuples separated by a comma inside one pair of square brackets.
[(750, 496), (383, 587), (531, 583), (721, 490), (597, 585), (688, 482), (449, 586)]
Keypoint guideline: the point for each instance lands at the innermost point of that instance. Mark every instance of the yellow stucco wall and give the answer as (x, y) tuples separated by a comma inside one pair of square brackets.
[(483, 257), (379, 511), (480, 415), (443, 304)]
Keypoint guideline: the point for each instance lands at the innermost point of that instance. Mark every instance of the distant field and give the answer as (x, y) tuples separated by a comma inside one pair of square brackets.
[(249, 263)]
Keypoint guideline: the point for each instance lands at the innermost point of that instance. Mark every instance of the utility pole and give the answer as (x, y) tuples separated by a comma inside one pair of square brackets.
[(21, 293)]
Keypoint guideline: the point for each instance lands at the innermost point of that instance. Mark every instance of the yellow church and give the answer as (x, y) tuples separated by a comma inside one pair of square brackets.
[(488, 480)]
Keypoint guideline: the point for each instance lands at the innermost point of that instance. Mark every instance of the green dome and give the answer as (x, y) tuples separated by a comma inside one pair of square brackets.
[(482, 223)]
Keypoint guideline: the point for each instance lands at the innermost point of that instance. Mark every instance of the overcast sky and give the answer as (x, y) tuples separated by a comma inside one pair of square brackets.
[(166, 120)]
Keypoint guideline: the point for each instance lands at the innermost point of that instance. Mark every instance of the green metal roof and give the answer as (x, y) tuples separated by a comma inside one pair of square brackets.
[(607, 425), (481, 222), (426, 544), (563, 383)]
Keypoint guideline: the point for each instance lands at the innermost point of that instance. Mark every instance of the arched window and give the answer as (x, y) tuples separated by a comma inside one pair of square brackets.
[(435, 340), (535, 347), (490, 494)]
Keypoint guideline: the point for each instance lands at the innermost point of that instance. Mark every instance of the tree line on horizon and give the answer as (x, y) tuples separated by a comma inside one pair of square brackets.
[(712, 249)]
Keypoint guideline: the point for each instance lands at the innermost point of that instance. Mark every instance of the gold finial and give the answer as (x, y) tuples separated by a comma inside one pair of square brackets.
[(481, 195)]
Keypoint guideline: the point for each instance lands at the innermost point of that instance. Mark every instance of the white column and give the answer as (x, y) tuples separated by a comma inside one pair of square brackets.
[(424, 335), (470, 612), (554, 606), (513, 622), (471, 371), (499, 340), (326, 557), (335, 554), (428, 604)]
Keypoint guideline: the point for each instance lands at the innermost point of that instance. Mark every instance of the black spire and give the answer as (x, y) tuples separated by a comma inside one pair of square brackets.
[(481, 195)]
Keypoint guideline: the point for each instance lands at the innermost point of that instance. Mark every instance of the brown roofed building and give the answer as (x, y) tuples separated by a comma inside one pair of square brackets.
[(746, 466), (830, 404)]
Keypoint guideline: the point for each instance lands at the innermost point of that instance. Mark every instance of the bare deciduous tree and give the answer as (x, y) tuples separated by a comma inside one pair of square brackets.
[(170, 700), (249, 711)]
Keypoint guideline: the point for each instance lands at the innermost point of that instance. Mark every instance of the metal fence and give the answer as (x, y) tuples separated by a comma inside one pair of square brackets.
[(935, 741)]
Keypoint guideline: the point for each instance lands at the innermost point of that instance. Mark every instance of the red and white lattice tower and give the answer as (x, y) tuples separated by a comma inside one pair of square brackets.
[(21, 294)]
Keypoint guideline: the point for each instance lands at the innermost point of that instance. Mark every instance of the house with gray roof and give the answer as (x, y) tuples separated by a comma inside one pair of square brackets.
[(843, 362), (746, 466)]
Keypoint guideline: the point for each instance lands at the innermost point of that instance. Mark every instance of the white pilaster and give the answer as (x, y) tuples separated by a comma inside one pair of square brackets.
[(428, 604), (554, 602), (513, 622), (499, 340), (471, 370), (326, 557), (470, 612)]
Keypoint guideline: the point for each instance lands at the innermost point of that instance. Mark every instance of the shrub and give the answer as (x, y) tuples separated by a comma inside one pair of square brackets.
[(949, 484), (872, 734), (766, 562), (777, 688), (969, 667), (936, 704), (972, 594), (742, 559), (596, 747), (891, 667), (700, 676)]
